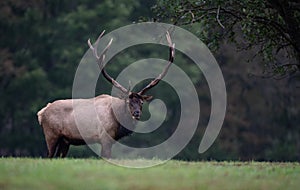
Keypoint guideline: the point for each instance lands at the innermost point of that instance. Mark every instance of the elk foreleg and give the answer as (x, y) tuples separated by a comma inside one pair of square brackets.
[(106, 150)]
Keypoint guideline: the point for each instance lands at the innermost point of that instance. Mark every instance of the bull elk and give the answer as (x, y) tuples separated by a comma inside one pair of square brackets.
[(60, 122)]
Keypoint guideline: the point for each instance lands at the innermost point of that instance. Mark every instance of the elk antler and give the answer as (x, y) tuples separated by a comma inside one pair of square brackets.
[(171, 59), (100, 62)]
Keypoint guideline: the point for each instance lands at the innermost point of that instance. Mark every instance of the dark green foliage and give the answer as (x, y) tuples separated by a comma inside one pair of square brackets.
[(269, 27), (42, 42)]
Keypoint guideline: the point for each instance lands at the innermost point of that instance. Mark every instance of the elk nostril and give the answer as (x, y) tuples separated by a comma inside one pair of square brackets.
[(136, 113)]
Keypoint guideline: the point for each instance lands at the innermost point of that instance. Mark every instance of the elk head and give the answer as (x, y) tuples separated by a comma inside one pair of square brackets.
[(135, 99)]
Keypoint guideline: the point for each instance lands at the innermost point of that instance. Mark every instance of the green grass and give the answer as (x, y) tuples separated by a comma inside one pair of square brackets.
[(27, 173)]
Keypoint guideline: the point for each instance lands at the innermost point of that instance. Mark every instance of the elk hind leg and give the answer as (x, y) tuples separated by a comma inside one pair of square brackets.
[(52, 145), (63, 148)]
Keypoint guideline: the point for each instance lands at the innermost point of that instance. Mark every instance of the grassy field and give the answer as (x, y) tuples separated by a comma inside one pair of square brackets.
[(27, 173)]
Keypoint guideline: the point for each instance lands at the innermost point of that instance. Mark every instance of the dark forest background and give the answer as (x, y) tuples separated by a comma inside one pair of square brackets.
[(43, 41)]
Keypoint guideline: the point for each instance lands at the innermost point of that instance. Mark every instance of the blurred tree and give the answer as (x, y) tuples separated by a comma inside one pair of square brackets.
[(41, 43), (269, 27)]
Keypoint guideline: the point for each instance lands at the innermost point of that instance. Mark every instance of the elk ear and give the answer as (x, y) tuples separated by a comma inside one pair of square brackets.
[(147, 98)]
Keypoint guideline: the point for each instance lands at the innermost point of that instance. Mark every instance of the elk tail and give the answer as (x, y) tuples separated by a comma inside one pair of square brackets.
[(40, 113)]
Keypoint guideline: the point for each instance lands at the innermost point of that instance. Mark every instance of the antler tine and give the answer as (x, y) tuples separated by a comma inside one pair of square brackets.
[(101, 59), (164, 72)]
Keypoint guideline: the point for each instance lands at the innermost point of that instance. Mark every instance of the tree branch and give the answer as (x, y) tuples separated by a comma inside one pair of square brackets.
[(218, 20)]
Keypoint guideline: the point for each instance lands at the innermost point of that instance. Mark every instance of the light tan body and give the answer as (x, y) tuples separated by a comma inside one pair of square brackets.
[(95, 120), (81, 121)]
